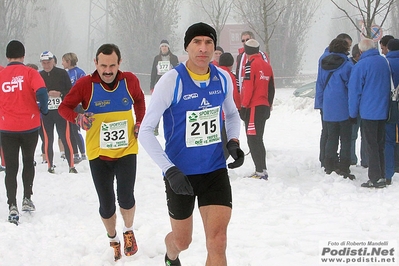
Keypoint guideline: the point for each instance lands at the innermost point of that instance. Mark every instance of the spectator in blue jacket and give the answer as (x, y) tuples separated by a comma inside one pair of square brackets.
[(369, 95), (332, 97), (391, 129), (323, 136), (364, 160)]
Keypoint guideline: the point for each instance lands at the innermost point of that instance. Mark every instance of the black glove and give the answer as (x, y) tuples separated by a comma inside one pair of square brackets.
[(238, 155), (353, 120), (179, 182)]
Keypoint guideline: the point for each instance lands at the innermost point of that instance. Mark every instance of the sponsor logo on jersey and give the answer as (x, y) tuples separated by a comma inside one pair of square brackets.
[(102, 103), (205, 104), (15, 84), (262, 76), (215, 92), (190, 96)]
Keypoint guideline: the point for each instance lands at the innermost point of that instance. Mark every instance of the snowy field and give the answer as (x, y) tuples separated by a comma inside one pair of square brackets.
[(287, 220)]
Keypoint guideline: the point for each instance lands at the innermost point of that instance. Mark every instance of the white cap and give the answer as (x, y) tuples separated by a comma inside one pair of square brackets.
[(46, 55)]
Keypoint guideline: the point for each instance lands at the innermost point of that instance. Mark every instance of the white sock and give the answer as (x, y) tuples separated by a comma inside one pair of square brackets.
[(125, 229), (113, 239)]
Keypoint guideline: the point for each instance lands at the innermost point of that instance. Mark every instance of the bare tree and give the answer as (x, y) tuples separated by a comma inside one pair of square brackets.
[(139, 26), (368, 10), (291, 32), (218, 12), (13, 23), (261, 16), (395, 19), (282, 26), (47, 30)]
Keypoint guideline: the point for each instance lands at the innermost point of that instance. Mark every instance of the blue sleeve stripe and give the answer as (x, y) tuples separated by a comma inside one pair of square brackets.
[(174, 101), (224, 87)]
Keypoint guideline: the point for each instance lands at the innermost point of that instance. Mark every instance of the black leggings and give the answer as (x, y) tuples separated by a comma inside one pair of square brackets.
[(11, 143), (255, 142), (103, 173), (64, 133)]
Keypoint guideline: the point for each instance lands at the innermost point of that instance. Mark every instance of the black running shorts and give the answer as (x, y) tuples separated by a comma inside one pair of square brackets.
[(211, 189)]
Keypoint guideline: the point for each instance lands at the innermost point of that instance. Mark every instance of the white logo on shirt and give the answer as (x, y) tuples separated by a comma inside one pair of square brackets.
[(190, 96), (205, 103), (16, 83), (262, 76)]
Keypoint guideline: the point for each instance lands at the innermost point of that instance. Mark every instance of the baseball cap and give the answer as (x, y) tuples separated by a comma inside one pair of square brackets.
[(46, 55)]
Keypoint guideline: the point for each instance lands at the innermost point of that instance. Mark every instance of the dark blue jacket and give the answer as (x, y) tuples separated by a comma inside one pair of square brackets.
[(393, 58), (332, 93), (369, 87)]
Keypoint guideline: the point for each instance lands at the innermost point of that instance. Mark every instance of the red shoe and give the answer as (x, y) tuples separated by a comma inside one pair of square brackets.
[(117, 250), (130, 243)]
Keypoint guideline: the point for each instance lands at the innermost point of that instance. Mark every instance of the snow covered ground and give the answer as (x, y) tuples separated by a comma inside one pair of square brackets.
[(287, 220)]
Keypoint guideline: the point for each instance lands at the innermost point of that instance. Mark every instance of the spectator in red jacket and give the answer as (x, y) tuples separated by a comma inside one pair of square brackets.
[(257, 94), (216, 55)]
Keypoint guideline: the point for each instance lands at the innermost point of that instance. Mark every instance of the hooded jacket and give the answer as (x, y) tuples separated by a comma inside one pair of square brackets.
[(332, 87), (369, 87)]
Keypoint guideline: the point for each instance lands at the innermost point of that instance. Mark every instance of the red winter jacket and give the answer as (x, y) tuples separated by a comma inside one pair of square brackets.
[(258, 83)]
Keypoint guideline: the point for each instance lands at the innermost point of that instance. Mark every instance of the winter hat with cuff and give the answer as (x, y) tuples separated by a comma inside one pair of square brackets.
[(164, 43), (251, 47)]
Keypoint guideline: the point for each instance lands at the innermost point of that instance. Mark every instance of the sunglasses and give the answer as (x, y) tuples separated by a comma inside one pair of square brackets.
[(244, 40)]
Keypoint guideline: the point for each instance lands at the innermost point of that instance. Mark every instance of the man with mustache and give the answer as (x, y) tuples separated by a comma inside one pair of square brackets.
[(108, 96)]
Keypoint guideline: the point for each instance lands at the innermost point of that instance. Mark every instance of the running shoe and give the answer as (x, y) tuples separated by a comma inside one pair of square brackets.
[(117, 250), (2, 168), (84, 157), (51, 170), (169, 262), (63, 156), (27, 205), (76, 159), (257, 175), (73, 170), (130, 247), (13, 215)]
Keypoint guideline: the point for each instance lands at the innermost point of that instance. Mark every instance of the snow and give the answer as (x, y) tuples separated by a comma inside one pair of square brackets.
[(282, 221)]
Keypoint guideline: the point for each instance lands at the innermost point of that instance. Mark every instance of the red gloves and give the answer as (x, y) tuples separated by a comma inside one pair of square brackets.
[(85, 120)]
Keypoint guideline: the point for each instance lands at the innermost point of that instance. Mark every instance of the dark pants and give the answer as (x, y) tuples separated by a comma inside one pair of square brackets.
[(64, 133), (374, 132), (104, 173), (77, 140), (364, 160), (11, 143), (390, 144), (255, 142), (323, 141), (337, 131)]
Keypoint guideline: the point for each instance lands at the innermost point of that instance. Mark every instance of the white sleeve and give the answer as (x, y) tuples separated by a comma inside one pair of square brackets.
[(232, 118), (161, 99)]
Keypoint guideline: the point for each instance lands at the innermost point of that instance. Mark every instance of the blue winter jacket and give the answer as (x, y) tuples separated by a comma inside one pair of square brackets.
[(332, 95), (369, 87), (318, 86), (393, 58)]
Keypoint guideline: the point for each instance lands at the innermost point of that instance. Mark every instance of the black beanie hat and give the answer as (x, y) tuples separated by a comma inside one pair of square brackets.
[(226, 59), (393, 45), (199, 29), (218, 48), (15, 49), (251, 47)]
